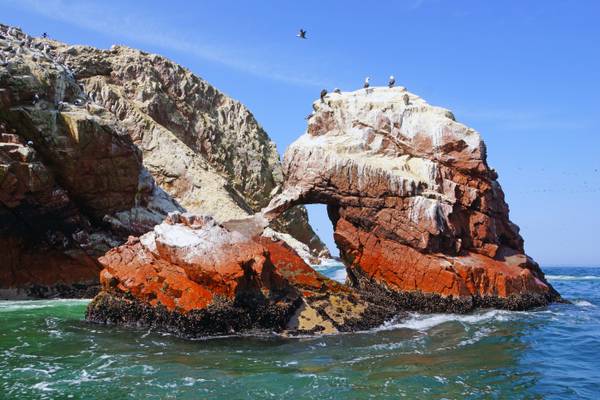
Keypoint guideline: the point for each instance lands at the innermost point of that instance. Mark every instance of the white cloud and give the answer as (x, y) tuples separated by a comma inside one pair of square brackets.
[(521, 120)]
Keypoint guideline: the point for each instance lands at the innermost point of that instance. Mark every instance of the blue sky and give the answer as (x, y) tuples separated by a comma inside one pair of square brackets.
[(526, 74)]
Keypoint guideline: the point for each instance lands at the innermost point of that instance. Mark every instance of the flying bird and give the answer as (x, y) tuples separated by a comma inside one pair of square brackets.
[(323, 94), (366, 85), (301, 34), (392, 81)]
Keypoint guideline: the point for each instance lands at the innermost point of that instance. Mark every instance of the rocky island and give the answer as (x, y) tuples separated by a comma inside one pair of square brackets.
[(419, 217), (122, 168)]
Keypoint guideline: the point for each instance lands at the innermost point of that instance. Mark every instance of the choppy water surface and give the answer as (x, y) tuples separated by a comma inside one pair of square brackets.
[(47, 351)]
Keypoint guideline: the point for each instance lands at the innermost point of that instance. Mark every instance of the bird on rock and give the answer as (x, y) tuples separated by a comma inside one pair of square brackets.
[(45, 35), (301, 34), (337, 90), (323, 94), (392, 81), (406, 99), (366, 85)]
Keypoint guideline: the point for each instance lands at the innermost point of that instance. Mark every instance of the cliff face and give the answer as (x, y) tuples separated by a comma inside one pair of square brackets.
[(416, 208), (60, 192), (118, 139), (204, 148)]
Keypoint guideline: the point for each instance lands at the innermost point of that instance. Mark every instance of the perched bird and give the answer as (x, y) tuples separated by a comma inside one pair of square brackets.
[(406, 99), (392, 81), (337, 90), (36, 98), (309, 116), (29, 143), (301, 34), (323, 94), (366, 85), (45, 35)]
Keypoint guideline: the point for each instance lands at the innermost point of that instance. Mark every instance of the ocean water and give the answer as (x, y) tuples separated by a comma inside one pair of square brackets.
[(47, 351)]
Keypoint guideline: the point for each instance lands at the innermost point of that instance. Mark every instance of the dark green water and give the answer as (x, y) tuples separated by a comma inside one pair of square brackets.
[(47, 351)]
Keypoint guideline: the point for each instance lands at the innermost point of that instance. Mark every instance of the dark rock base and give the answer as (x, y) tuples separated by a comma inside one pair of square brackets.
[(435, 303), (221, 318)]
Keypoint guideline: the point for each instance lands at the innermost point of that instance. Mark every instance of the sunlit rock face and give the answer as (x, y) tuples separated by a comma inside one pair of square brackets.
[(119, 138), (417, 211), (72, 183), (193, 276), (202, 147)]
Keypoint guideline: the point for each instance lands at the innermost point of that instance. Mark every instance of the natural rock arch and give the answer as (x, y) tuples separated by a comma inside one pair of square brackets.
[(419, 219), (415, 207)]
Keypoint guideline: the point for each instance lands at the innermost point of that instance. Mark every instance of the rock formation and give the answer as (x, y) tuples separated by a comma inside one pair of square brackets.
[(417, 211), (195, 277), (83, 185), (419, 218), (202, 147)]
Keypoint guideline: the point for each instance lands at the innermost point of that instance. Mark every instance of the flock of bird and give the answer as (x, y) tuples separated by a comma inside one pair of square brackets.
[(391, 81)]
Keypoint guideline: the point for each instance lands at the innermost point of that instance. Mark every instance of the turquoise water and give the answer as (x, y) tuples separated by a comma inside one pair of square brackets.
[(47, 351)]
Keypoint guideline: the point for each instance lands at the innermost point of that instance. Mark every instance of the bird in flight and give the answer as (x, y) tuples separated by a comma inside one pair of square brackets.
[(301, 34)]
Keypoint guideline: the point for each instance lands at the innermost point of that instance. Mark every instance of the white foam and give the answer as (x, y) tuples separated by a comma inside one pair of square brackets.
[(583, 303), (573, 277), (340, 275), (10, 305), (424, 322)]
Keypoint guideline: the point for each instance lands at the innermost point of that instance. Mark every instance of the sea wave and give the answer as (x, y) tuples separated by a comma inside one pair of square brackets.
[(424, 322), (328, 263), (16, 305), (583, 303), (573, 277)]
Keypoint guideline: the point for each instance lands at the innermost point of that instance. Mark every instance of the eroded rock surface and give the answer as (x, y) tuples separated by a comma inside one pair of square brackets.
[(195, 277), (417, 211), (202, 147), (119, 138), (72, 184)]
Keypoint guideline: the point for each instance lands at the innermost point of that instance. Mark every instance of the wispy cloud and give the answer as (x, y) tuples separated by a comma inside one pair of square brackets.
[(521, 120), (103, 20)]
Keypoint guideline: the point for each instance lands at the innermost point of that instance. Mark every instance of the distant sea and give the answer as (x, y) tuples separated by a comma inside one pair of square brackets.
[(47, 351)]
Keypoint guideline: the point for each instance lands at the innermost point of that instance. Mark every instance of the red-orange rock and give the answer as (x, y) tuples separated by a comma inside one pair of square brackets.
[(417, 211), (193, 276)]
